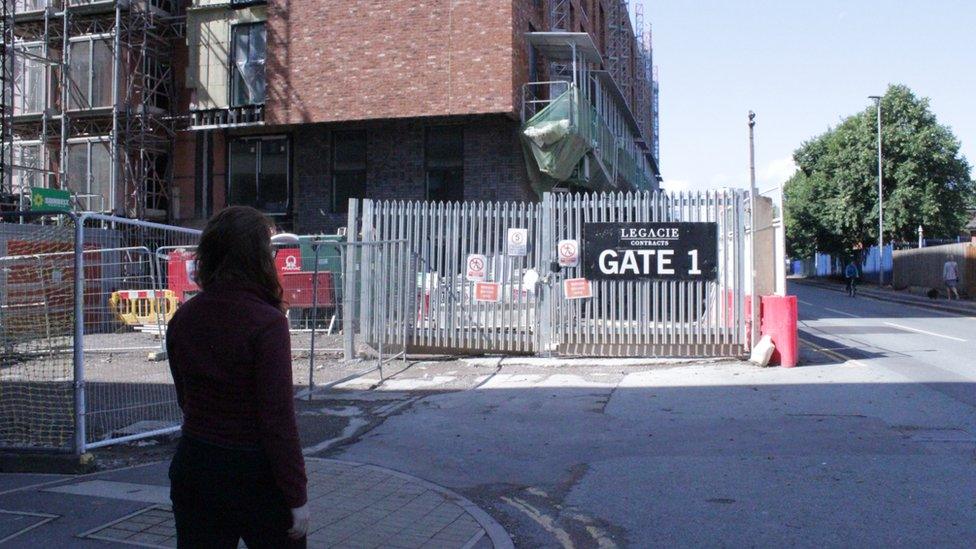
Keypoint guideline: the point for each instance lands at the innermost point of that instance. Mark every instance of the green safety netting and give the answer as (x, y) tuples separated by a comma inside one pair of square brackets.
[(558, 137), (555, 141)]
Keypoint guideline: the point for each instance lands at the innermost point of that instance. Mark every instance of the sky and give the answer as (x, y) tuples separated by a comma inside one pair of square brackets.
[(802, 66)]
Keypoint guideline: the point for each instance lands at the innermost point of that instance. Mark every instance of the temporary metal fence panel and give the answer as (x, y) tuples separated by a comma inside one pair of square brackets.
[(515, 305), (126, 305), (648, 317), (37, 332)]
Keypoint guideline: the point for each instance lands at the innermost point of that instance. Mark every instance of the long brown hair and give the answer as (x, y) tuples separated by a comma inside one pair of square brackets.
[(235, 248)]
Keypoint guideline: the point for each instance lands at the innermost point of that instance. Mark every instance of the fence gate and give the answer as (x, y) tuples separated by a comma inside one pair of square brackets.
[(478, 277)]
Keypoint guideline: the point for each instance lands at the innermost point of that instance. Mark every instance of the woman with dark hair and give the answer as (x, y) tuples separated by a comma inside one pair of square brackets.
[(238, 472)]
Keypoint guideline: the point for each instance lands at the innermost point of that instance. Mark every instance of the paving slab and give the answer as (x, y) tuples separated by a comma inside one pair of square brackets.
[(353, 505)]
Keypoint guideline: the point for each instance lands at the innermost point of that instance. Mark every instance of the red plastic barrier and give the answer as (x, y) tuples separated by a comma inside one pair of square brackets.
[(779, 319)]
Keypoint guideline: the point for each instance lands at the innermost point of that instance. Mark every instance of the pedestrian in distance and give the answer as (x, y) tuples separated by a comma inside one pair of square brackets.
[(950, 276), (852, 274), (238, 472)]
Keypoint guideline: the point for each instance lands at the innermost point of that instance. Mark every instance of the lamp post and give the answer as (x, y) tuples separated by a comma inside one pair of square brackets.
[(754, 303), (877, 101)]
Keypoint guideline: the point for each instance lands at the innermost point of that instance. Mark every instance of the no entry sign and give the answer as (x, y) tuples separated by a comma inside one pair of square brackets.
[(655, 251), (568, 253), (476, 267)]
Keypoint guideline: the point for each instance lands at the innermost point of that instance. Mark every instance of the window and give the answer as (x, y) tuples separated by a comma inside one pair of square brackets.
[(21, 6), (243, 3), (26, 164), (259, 173), (444, 163), (348, 168), (91, 73), (247, 78), (90, 173), (29, 79)]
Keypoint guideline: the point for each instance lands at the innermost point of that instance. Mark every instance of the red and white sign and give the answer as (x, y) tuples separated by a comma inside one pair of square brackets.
[(476, 267), (490, 292), (568, 251), (289, 260), (577, 288)]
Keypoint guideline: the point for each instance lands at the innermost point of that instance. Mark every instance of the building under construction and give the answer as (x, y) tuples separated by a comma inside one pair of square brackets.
[(89, 98), (172, 109)]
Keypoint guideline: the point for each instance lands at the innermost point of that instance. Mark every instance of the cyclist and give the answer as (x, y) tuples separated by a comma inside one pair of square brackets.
[(852, 274)]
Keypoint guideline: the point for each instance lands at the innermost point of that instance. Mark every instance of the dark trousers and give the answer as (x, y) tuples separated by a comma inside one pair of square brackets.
[(222, 495)]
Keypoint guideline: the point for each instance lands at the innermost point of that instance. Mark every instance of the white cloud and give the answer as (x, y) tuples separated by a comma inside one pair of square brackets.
[(776, 172)]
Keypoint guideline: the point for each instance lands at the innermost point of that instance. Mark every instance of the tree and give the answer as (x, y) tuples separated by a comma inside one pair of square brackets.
[(831, 202)]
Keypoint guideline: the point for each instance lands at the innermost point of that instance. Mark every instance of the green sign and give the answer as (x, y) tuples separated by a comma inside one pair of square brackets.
[(50, 199)]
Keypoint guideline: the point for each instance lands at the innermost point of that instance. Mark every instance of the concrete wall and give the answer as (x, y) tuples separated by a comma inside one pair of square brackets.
[(765, 248), (208, 36), (922, 267)]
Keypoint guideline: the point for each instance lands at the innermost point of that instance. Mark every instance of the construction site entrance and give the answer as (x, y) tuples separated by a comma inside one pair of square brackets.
[(619, 274)]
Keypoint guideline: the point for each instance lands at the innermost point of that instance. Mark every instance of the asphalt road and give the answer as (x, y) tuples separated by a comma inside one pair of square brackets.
[(921, 344), (875, 446)]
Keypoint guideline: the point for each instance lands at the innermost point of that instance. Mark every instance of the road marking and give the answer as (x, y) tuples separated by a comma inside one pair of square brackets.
[(840, 312), (924, 332), (831, 353), (807, 303)]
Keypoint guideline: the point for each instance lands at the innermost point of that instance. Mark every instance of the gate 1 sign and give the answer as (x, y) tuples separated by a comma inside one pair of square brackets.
[(650, 251), (487, 291)]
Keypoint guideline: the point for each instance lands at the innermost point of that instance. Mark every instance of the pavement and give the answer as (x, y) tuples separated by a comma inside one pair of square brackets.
[(352, 505), (870, 442)]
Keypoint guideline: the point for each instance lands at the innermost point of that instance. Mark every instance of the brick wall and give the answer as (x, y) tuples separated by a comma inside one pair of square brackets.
[(362, 59), (494, 167)]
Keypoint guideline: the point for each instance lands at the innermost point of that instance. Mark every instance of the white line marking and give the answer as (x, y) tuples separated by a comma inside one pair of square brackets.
[(924, 332), (840, 312), (807, 303)]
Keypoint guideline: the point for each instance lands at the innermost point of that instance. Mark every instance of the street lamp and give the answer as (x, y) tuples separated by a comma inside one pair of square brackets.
[(877, 101), (754, 303)]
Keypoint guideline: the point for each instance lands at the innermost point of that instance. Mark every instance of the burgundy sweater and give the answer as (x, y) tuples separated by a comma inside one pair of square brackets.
[(230, 355)]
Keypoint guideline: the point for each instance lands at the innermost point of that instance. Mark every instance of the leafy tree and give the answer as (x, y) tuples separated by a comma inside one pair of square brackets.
[(831, 202)]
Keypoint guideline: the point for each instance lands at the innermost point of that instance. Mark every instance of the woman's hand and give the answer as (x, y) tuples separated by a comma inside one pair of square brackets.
[(300, 518)]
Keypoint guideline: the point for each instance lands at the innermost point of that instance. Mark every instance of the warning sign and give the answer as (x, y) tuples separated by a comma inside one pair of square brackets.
[(490, 292), (476, 267), (577, 288), (518, 242), (289, 260), (568, 251)]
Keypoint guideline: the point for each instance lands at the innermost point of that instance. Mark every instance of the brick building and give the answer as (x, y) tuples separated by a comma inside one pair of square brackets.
[(295, 106)]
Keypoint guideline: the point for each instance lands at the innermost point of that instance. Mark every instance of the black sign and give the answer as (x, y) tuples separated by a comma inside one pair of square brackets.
[(656, 251)]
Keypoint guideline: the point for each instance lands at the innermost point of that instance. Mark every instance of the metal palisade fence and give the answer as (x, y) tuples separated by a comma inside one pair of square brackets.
[(485, 277)]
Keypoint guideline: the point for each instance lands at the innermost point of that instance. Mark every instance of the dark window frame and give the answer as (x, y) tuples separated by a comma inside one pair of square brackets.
[(444, 166), (289, 176), (232, 67), (343, 207)]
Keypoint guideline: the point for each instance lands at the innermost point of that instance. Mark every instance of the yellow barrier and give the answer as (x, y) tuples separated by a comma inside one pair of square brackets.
[(138, 307)]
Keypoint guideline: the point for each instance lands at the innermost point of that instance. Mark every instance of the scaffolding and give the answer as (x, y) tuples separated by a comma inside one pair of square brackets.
[(89, 100), (616, 85)]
